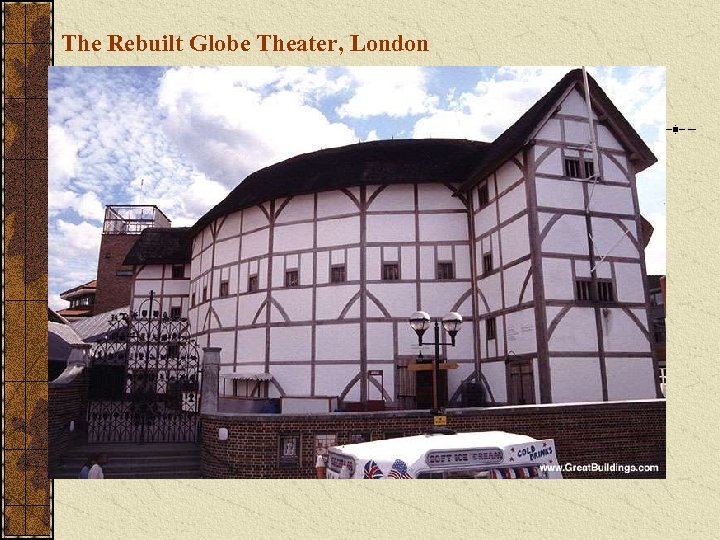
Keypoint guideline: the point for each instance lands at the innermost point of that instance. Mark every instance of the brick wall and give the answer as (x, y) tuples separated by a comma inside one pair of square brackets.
[(613, 432), (113, 291), (66, 402)]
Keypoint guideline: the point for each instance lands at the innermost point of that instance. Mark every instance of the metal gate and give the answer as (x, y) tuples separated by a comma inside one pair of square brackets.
[(144, 379)]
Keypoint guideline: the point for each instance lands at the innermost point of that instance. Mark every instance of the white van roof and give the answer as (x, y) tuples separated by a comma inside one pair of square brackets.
[(412, 449)]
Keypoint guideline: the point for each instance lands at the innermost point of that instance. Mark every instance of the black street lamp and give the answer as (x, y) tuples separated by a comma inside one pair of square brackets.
[(420, 322)]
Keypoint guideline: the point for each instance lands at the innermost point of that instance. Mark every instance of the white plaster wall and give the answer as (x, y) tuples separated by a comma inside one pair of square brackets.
[(330, 380), (612, 199), (577, 132), (295, 237), (567, 235), (143, 287), (290, 344), (206, 260), (439, 298), (391, 228), (255, 244), (397, 298), (494, 373), (575, 104), (443, 227), (335, 232), (607, 139), (550, 131), (226, 251), (508, 173), (251, 345), (629, 282), (380, 340), (150, 271), (490, 287), (393, 197), (353, 264), (515, 243), (463, 349), (621, 334), (437, 197), (560, 194), (463, 269), (230, 227), (338, 342), (297, 303), (610, 239), (253, 218), (575, 379), (630, 378), (331, 300), (611, 172), (558, 279), (521, 337), (295, 380), (300, 207), (225, 310), (408, 269), (248, 305), (552, 164), (575, 332), (387, 381), (512, 202), (485, 219), (335, 203), (513, 278)]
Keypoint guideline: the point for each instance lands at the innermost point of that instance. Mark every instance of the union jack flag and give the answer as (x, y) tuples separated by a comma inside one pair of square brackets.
[(372, 471), (399, 470)]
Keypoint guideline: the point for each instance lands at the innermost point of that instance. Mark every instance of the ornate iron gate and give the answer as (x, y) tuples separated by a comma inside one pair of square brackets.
[(144, 379)]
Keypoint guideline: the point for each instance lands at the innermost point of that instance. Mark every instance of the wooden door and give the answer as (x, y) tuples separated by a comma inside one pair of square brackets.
[(521, 383)]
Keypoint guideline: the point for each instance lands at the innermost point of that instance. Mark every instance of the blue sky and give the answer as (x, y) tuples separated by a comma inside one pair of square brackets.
[(181, 138)]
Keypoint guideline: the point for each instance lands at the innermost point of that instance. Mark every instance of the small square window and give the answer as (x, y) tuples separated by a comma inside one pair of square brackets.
[(175, 313), (583, 290), (483, 196), (289, 449), (205, 296), (487, 263), (337, 274), (292, 278), (572, 167), (589, 169), (391, 272), (178, 271), (445, 270), (606, 292), (253, 283), (490, 329), (224, 288)]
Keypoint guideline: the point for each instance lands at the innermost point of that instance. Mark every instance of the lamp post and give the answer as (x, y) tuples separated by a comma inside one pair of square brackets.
[(420, 322)]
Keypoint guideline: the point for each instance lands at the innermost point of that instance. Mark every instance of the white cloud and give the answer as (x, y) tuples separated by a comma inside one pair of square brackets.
[(78, 238), (62, 156), (229, 127), (656, 251), (388, 90), (90, 207)]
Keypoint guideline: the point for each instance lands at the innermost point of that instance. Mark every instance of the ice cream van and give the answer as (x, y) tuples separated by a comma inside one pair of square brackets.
[(479, 455)]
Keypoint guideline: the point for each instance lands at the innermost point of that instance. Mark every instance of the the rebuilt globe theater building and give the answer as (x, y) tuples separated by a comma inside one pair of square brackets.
[(306, 274)]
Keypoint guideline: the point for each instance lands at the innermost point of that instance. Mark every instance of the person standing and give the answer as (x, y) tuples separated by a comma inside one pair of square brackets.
[(96, 472), (86, 467)]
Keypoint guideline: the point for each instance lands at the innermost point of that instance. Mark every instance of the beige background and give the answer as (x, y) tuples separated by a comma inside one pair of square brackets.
[(682, 37)]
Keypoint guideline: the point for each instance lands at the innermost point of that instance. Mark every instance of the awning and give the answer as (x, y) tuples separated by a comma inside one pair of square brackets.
[(247, 376)]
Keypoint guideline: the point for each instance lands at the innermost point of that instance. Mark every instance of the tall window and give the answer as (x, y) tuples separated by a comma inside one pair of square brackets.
[(292, 278), (178, 271), (253, 283), (487, 263), (589, 169), (224, 289), (606, 292), (490, 329), (582, 289), (192, 300), (337, 274), (391, 272), (483, 195), (445, 270), (205, 296), (175, 313)]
